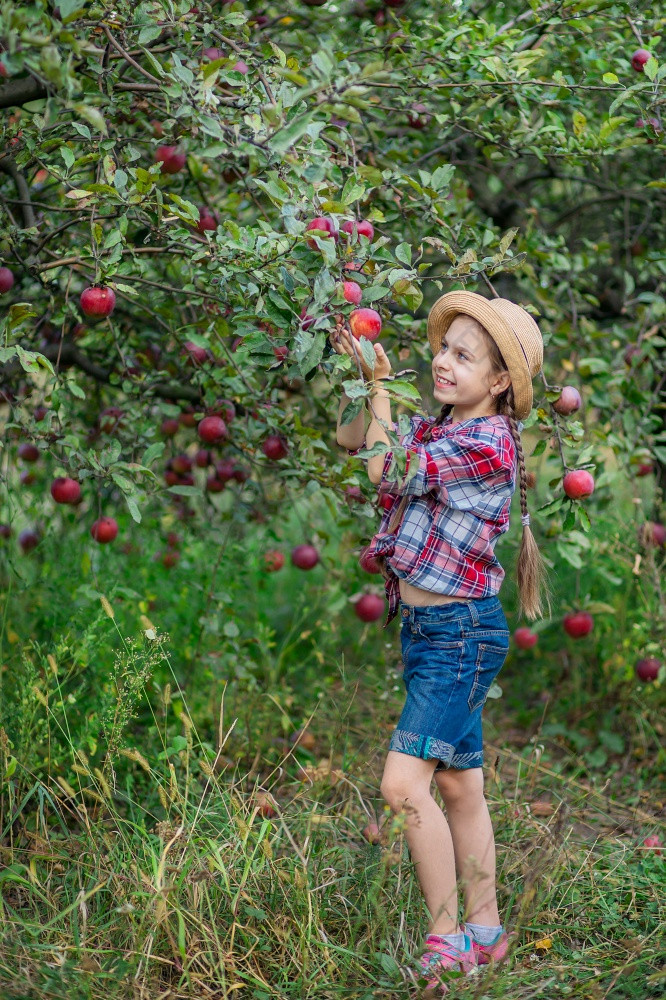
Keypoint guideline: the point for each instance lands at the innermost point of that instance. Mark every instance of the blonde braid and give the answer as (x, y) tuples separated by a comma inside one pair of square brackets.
[(531, 575)]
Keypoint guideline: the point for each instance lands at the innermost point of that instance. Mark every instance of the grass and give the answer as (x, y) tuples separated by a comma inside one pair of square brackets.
[(157, 876), (136, 859)]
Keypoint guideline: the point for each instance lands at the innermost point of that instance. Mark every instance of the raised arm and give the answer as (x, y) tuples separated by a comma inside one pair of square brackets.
[(350, 436)]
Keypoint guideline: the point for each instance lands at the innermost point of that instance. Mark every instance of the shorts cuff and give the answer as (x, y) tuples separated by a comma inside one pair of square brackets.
[(430, 748)]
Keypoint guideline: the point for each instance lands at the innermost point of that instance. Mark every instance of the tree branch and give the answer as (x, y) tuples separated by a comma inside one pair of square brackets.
[(8, 166), (19, 92), (69, 354)]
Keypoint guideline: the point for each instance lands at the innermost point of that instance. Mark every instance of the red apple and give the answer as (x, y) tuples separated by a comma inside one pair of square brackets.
[(207, 221), (569, 401), (648, 668), (171, 159), (186, 417), (326, 227), (214, 485), (172, 540), (653, 843), (525, 638), (578, 624), (28, 539), (354, 494), (169, 427), (273, 560), (639, 58), (195, 353), (27, 477), (65, 490), (368, 562), (644, 469), (104, 530), (5, 531), (225, 469), (275, 447), (265, 805), (203, 458), (40, 413), (352, 292), (373, 835), (157, 127), (182, 464), (369, 607), (97, 301), (578, 484), (305, 556), (418, 116), (240, 474), (653, 533), (110, 419), (6, 279), (365, 323), (306, 320), (212, 429), (304, 738), (213, 54), (363, 228), (223, 408), (28, 452), (281, 352), (170, 558)]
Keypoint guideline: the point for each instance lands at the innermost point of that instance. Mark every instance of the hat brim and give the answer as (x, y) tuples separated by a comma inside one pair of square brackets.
[(445, 310)]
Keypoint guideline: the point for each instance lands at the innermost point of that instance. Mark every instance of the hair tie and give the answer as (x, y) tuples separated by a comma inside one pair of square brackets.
[(525, 519)]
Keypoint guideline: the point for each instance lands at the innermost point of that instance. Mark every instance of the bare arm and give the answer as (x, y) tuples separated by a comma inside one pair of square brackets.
[(380, 408), (350, 436)]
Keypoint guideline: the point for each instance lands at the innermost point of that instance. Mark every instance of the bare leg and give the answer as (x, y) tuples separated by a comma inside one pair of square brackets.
[(473, 841), (406, 786)]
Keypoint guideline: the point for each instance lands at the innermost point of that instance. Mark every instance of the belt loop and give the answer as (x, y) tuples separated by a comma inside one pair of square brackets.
[(474, 614)]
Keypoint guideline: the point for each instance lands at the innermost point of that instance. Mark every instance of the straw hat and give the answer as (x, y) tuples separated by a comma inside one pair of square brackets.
[(512, 328)]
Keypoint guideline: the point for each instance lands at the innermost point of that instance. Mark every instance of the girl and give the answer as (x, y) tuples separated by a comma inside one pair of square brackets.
[(437, 541)]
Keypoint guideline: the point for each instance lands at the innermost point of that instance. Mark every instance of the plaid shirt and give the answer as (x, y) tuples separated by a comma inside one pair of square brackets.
[(460, 499)]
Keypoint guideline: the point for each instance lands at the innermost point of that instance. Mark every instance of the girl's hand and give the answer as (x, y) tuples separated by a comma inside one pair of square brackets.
[(344, 343)]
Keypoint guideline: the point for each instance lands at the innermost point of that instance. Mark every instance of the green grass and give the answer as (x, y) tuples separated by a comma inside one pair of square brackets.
[(134, 749)]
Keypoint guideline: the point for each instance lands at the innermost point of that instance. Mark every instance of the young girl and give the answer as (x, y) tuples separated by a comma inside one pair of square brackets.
[(437, 538)]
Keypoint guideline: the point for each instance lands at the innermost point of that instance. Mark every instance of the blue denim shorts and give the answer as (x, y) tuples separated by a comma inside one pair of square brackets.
[(451, 655)]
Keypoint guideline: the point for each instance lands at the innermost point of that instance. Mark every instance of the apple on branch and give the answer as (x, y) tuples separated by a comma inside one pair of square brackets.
[(97, 301)]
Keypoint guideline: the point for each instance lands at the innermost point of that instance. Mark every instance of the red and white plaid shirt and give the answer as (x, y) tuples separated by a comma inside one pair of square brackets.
[(460, 500)]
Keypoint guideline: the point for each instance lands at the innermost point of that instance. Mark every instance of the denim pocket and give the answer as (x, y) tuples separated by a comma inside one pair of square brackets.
[(489, 661), (440, 636)]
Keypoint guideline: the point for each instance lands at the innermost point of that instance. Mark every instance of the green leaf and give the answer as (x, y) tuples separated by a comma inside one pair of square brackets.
[(404, 253), (610, 78), (68, 156), (152, 452), (133, 508), (75, 389), (352, 191), (368, 352), (584, 519), (539, 447), (32, 361), (285, 137), (351, 411), (185, 491)]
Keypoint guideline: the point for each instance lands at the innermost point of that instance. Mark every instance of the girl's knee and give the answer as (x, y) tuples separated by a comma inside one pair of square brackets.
[(460, 786), (398, 792)]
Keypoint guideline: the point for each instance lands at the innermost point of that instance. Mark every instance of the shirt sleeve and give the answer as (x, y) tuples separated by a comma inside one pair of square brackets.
[(458, 469)]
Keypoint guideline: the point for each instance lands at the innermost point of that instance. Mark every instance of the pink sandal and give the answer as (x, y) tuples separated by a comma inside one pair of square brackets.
[(441, 957)]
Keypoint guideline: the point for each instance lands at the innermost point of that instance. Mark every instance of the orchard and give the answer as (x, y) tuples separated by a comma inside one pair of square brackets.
[(195, 196)]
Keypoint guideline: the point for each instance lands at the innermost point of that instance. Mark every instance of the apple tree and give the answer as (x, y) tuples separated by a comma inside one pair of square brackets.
[(194, 196)]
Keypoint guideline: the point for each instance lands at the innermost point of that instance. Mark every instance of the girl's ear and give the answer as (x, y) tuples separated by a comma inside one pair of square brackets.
[(500, 384)]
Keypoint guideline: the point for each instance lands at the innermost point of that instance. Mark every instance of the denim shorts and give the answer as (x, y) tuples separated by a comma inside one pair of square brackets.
[(451, 655)]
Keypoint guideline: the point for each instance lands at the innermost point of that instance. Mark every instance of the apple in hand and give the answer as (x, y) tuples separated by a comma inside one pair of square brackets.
[(65, 490), (578, 484), (525, 638), (369, 607), (304, 556), (577, 624), (104, 530), (648, 669), (97, 301), (365, 323), (569, 401)]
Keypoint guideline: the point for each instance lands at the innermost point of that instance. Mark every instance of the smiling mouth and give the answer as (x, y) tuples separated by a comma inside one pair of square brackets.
[(443, 383)]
